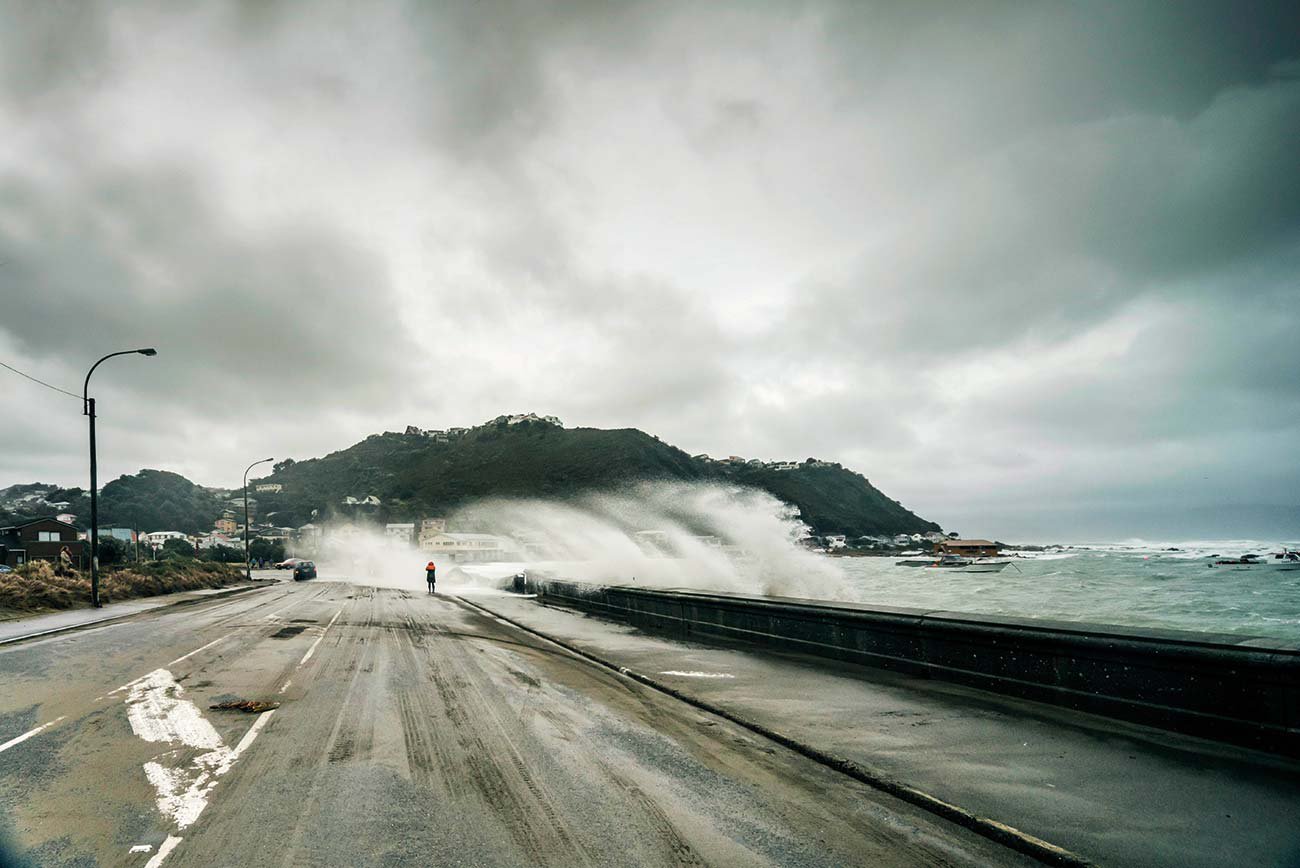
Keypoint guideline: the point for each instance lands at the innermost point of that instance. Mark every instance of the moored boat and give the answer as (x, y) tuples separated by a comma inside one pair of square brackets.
[(956, 563)]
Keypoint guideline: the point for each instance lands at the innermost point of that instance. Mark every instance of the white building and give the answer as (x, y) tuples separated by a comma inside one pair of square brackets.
[(400, 532), (836, 540), (343, 533), (159, 537), (462, 547)]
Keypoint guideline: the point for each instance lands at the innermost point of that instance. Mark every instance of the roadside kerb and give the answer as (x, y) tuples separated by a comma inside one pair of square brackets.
[(100, 622), (1008, 836)]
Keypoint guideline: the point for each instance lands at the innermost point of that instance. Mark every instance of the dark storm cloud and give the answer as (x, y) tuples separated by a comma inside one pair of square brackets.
[(109, 260), (988, 253)]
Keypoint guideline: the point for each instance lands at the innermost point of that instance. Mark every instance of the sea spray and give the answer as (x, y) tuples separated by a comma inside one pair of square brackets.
[(701, 536)]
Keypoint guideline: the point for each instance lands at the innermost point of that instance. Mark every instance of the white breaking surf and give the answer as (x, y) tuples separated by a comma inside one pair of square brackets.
[(158, 712)]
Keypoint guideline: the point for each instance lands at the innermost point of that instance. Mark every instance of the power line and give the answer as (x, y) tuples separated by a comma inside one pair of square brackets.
[(42, 382)]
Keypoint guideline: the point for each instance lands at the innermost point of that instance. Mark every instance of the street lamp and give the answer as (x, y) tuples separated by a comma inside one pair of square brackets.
[(248, 567), (88, 409)]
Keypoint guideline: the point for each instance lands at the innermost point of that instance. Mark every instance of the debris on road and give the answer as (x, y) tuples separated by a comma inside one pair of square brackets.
[(250, 706)]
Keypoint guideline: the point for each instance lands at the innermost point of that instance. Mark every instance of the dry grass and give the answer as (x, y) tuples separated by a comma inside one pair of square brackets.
[(40, 585)]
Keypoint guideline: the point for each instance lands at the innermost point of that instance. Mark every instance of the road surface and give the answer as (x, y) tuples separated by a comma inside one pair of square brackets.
[(410, 731)]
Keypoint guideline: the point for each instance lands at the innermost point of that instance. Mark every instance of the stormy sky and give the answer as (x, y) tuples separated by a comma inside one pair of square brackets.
[(1032, 268)]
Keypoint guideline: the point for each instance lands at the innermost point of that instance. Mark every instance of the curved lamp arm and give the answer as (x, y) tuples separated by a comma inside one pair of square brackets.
[(85, 389)]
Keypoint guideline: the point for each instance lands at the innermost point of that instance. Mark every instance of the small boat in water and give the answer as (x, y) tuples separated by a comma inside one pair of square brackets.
[(956, 563), (1285, 560)]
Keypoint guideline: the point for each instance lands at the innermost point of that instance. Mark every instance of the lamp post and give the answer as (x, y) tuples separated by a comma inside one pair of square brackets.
[(88, 409), (248, 566)]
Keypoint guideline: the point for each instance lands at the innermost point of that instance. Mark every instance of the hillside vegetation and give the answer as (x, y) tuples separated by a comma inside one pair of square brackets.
[(413, 475), (148, 501)]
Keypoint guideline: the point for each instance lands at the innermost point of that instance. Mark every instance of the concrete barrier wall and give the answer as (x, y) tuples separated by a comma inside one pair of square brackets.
[(1230, 688)]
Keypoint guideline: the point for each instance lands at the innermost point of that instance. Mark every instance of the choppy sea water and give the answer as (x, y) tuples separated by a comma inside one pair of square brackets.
[(1135, 583)]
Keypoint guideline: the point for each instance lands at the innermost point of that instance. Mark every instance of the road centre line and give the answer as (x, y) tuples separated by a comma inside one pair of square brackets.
[(247, 741), (26, 735), (197, 650), (312, 649)]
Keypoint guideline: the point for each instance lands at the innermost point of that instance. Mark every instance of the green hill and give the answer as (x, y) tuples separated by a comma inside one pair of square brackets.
[(148, 501), (414, 475)]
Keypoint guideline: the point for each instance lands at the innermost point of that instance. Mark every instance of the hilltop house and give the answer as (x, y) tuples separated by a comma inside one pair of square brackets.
[(45, 539)]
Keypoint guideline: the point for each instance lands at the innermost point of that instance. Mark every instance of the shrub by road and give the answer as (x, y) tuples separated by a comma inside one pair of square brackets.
[(38, 585)]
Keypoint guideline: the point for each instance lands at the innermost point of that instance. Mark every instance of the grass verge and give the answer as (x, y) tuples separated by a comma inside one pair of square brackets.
[(39, 586)]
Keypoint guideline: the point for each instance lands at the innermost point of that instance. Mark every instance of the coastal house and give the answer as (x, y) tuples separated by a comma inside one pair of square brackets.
[(836, 540), (970, 548), (45, 539), (430, 527), (226, 524)]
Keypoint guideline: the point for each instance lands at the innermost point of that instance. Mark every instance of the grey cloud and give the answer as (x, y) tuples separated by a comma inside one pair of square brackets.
[(147, 257), (916, 193)]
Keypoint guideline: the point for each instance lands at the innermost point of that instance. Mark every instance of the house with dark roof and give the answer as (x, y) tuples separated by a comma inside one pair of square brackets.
[(971, 548), (45, 539)]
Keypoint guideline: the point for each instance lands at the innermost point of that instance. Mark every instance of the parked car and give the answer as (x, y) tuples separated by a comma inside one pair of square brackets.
[(288, 563), (304, 570), (4, 568)]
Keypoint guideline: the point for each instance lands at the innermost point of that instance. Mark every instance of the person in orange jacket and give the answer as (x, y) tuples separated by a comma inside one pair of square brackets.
[(430, 575)]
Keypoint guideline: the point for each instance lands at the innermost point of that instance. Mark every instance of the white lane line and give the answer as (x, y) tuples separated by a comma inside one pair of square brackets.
[(285, 686), (696, 674), (165, 848), (249, 737), (26, 735), (158, 712), (312, 649), (197, 650)]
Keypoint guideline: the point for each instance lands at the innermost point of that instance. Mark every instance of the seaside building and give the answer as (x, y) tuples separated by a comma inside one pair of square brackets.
[(464, 547), (970, 548), (400, 532)]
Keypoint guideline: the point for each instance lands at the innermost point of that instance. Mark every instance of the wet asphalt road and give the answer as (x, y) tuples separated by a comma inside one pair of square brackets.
[(411, 731)]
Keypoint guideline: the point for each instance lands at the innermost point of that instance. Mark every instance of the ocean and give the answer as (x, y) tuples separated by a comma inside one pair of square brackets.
[(1136, 583)]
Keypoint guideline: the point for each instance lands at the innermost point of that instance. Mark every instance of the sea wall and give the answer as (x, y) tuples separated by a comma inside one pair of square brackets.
[(1230, 688)]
